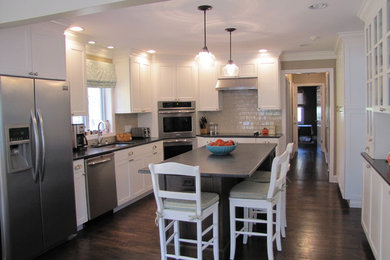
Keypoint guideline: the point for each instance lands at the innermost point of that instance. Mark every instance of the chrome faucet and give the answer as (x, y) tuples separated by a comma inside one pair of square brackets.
[(99, 140)]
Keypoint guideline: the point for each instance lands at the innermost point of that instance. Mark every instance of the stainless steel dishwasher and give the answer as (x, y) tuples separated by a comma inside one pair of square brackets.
[(101, 187)]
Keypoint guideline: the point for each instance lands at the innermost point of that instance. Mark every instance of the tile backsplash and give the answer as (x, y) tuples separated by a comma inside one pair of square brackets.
[(240, 114), (123, 120)]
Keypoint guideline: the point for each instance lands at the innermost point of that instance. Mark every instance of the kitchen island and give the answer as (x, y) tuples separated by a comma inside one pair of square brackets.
[(219, 175)]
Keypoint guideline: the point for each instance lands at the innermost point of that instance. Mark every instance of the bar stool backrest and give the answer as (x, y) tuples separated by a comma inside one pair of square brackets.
[(278, 174), (172, 168)]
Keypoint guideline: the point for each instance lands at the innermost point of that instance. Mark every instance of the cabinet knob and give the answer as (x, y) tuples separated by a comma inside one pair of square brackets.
[(154, 147), (367, 149), (130, 153), (382, 109), (31, 73), (368, 166)]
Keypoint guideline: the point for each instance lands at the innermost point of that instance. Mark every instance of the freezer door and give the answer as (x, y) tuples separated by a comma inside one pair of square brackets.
[(56, 173), (21, 222)]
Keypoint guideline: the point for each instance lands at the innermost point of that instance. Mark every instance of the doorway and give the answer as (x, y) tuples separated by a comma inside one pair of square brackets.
[(319, 127)]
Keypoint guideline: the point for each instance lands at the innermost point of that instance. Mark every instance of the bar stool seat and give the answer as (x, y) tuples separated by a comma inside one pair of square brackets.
[(250, 190), (207, 200), (260, 176)]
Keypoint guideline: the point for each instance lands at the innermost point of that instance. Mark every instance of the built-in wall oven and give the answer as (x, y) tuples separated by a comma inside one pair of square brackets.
[(176, 124)]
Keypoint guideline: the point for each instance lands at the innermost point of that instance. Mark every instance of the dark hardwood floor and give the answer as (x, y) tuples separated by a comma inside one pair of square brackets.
[(320, 224)]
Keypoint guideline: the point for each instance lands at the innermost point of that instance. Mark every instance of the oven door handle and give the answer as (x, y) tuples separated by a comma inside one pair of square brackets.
[(177, 111), (179, 141)]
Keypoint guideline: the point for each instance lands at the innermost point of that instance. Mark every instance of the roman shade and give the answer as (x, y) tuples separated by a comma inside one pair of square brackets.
[(100, 74)]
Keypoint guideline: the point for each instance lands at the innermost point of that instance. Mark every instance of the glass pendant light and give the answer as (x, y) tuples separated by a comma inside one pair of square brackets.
[(205, 58), (230, 69)]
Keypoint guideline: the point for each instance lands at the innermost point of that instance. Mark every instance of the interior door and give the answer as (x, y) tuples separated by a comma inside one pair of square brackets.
[(57, 188)]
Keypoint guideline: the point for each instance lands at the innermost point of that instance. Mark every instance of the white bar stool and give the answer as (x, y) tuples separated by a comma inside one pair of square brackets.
[(174, 206), (259, 196), (264, 177)]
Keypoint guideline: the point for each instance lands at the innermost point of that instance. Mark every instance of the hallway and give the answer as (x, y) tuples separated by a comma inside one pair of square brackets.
[(320, 224)]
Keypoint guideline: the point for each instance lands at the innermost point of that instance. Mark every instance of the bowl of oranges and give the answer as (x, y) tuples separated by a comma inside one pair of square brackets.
[(221, 147)]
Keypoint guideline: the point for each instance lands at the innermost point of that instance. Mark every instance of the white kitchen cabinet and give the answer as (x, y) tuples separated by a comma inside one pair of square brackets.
[(133, 86), (366, 197), (176, 82), (385, 224), (269, 84), (376, 211), (132, 185), (209, 97), (80, 192), (75, 72), (271, 141), (36, 50), (202, 141)]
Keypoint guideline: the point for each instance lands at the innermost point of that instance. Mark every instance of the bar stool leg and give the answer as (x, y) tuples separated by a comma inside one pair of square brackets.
[(270, 233), (163, 239), (199, 239), (176, 237), (245, 238), (215, 234), (232, 209)]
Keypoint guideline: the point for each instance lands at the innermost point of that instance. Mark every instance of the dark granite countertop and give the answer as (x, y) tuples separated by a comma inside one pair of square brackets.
[(380, 165), (241, 163), (242, 135), (92, 151)]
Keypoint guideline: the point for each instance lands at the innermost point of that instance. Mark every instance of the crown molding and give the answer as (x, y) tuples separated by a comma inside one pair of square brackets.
[(308, 55), (369, 9)]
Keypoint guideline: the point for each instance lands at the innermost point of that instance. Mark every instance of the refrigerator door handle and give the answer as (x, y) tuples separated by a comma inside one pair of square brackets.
[(37, 145), (43, 155)]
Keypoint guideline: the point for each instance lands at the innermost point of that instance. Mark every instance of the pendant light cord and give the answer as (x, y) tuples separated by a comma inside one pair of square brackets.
[(230, 59), (204, 28)]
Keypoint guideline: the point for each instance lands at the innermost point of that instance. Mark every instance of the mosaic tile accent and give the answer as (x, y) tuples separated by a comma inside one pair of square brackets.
[(240, 114)]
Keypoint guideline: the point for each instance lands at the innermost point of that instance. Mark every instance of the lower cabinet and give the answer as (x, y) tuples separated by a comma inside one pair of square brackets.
[(80, 192), (130, 184), (376, 212)]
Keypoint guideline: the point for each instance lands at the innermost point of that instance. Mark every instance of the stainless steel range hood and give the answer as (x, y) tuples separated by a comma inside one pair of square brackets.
[(236, 83)]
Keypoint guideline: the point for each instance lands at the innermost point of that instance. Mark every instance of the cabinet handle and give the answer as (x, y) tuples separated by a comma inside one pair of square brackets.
[(154, 147), (130, 153), (84, 173), (382, 109), (131, 160), (31, 73), (368, 166), (155, 153)]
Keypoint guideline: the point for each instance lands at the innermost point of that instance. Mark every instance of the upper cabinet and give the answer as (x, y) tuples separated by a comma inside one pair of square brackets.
[(268, 87), (75, 71), (33, 51), (133, 87), (376, 15), (209, 97), (175, 82)]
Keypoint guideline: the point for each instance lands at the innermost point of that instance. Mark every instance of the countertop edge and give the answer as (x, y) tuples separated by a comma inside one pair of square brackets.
[(380, 166)]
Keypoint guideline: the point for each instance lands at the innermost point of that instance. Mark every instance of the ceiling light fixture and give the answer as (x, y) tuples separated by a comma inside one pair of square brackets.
[(205, 58), (91, 42), (317, 6), (151, 51), (263, 50), (230, 69), (76, 29), (110, 47)]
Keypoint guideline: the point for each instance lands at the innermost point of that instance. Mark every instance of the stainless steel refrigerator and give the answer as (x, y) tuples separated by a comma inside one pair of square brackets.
[(37, 202)]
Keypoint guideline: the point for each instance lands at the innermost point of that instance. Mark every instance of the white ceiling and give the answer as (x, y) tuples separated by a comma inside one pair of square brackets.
[(176, 26)]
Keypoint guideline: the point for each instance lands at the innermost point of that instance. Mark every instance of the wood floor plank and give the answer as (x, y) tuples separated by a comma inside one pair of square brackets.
[(320, 224)]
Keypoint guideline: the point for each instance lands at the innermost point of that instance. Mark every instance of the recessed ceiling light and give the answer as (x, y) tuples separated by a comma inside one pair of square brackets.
[(318, 6), (91, 42), (76, 29), (110, 47), (263, 50), (151, 51)]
